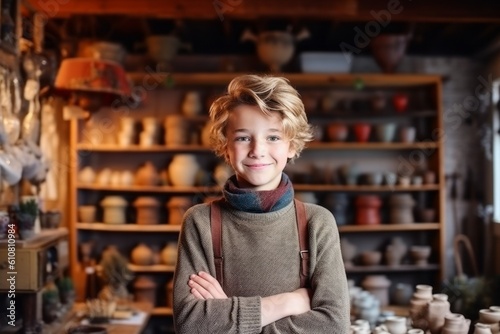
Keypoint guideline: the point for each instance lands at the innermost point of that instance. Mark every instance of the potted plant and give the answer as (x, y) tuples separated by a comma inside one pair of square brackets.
[(25, 218)]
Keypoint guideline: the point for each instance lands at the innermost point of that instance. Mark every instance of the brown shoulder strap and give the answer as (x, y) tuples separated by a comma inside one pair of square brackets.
[(216, 227), (300, 212)]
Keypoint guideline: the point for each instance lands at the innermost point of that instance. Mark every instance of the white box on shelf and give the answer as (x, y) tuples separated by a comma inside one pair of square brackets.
[(325, 62)]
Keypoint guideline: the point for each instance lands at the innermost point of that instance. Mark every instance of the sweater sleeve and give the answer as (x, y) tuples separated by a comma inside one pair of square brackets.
[(330, 305), (191, 315)]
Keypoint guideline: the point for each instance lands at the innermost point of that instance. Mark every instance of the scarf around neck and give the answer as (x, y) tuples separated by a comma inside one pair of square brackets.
[(249, 200)]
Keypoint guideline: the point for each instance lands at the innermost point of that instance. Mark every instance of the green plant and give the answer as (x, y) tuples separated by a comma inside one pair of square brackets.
[(26, 214), (29, 207)]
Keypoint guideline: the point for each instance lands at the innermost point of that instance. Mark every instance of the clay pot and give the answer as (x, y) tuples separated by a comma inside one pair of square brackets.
[(147, 175), (378, 285), (86, 175), (396, 324), (437, 309), (429, 177), (388, 50), (386, 132), (191, 105), (114, 209), (169, 254), (402, 294), (371, 258), (408, 134), (147, 210), (420, 254), (368, 210), (145, 290), (362, 132), (455, 323), (176, 130), (142, 255), (177, 206), (182, 170), (86, 213), (337, 132), (427, 215), (348, 251), (481, 328), (489, 316), (401, 209)]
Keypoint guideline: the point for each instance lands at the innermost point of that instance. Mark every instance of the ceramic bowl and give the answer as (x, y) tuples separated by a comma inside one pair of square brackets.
[(420, 254), (371, 258), (489, 316)]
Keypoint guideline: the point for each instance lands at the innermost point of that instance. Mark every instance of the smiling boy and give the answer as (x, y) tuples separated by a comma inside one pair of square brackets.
[(258, 127)]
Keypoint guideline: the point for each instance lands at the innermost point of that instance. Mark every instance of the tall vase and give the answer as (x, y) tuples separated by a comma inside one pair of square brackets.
[(437, 309), (182, 170)]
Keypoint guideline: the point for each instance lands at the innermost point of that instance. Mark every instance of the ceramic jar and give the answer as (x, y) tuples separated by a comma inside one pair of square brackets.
[(86, 213), (401, 211), (455, 323), (491, 316), (368, 210), (147, 175), (429, 177), (177, 206), (86, 175), (191, 104), (437, 309), (126, 134), (420, 254), (147, 210), (386, 132), (378, 285), (348, 251), (401, 294), (395, 252), (337, 204), (176, 130), (145, 290), (142, 255), (337, 132), (396, 324), (168, 254), (418, 305), (182, 170), (104, 177), (362, 132), (114, 209), (481, 328), (408, 134)]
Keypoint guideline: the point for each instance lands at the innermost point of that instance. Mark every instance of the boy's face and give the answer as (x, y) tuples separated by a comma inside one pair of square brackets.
[(257, 149)]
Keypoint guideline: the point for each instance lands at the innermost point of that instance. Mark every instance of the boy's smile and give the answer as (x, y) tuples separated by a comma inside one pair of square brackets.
[(257, 148)]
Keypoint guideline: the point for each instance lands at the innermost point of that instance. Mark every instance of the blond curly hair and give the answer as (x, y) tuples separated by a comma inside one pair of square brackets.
[(270, 94)]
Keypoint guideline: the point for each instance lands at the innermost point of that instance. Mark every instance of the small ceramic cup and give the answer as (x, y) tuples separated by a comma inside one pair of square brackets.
[(86, 213)]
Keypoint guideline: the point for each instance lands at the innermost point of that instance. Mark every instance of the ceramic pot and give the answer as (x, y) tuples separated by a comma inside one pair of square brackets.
[(455, 323), (396, 324), (337, 132), (362, 132), (86, 213), (481, 328), (401, 211), (429, 177), (337, 203), (191, 104), (177, 207), (114, 209), (378, 285), (182, 170), (368, 210), (145, 290), (395, 251), (147, 210), (400, 102), (404, 180), (427, 215), (87, 175), (126, 178), (420, 254), (388, 50), (348, 251), (390, 178), (386, 132), (104, 177), (407, 134), (176, 130), (169, 254), (437, 309), (370, 258), (147, 175), (142, 255), (402, 294), (489, 316)]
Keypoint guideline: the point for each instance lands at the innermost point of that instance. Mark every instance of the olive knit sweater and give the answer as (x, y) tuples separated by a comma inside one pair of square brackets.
[(261, 258)]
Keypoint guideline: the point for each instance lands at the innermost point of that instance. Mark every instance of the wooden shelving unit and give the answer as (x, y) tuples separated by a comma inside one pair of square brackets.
[(429, 114)]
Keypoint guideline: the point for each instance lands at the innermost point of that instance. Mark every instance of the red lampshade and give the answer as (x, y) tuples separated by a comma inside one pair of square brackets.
[(92, 78)]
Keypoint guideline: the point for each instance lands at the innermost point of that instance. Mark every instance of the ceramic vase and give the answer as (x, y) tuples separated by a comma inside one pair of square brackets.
[(147, 210), (401, 211), (418, 305), (368, 210), (182, 170), (388, 50), (337, 132), (420, 254), (169, 254), (455, 323), (114, 209), (437, 309), (147, 175), (491, 316), (142, 255), (362, 132), (191, 105), (177, 206), (145, 290), (378, 285), (395, 251), (176, 130)]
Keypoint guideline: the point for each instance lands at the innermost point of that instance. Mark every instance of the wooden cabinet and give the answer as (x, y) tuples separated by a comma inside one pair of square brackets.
[(316, 171)]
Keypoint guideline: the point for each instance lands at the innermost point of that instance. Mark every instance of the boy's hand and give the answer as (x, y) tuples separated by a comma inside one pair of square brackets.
[(205, 286)]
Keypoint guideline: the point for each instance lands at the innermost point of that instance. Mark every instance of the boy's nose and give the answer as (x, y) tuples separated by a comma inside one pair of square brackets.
[(258, 149)]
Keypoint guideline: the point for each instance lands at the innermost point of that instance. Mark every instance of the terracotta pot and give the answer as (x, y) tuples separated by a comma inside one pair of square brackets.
[(142, 255), (147, 175), (177, 206), (362, 132), (114, 209), (371, 258), (388, 50), (337, 132), (176, 130), (86, 213), (420, 254), (182, 170), (145, 290), (368, 210), (147, 210), (169, 254)]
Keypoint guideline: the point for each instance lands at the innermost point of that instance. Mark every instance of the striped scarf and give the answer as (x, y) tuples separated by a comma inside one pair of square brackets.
[(249, 200)]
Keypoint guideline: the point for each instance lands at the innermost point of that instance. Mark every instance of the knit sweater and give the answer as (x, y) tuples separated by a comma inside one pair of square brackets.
[(261, 258)]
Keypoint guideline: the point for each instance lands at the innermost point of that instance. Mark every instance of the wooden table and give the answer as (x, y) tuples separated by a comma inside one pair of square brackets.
[(74, 319)]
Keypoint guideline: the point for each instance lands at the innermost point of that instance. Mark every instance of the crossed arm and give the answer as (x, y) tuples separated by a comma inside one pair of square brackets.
[(273, 308)]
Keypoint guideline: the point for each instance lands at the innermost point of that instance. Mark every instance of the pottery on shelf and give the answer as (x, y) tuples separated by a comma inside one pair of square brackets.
[(378, 102), (368, 210), (390, 178), (142, 255), (176, 130), (396, 324), (362, 132), (437, 309), (147, 210), (168, 254), (86, 175), (427, 215), (114, 209), (337, 132), (337, 204), (104, 177), (407, 134), (182, 170), (147, 175), (420, 254), (370, 258), (191, 104), (395, 251), (378, 285), (385, 132), (177, 206), (429, 177), (86, 213), (145, 290), (401, 211)]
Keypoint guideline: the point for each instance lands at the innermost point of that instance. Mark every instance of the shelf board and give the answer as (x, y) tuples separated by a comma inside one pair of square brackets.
[(346, 80), (155, 268), (162, 311), (372, 115), (151, 189), (138, 148), (341, 187), (371, 146), (128, 227), (389, 227), (382, 268)]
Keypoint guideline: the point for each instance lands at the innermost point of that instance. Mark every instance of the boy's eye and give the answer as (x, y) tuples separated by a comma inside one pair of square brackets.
[(242, 139), (274, 138)]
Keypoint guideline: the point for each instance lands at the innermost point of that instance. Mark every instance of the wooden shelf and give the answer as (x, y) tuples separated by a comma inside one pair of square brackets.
[(128, 227), (137, 148), (150, 189), (382, 268), (162, 311), (155, 268), (371, 146), (389, 228), (344, 115), (340, 187), (346, 80)]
